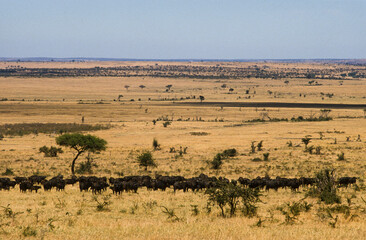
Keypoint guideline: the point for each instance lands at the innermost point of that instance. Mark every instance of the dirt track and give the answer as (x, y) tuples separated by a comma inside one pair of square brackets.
[(274, 105)]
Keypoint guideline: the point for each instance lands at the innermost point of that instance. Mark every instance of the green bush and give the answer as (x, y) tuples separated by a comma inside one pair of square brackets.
[(310, 149), (230, 152), (166, 123), (318, 150), (341, 156), (103, 205), (228, 197), (250, 196), (145, 159), (292, 211), (8, 172), (156, 145), (260, 146), (170, 214), (252, 147), (50, 152), (86, 167), (217, 161), (306, 140), (325, 187), (29, 232), (256, 159)]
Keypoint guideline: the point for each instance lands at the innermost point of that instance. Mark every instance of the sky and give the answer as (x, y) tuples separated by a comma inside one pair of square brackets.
[(184, 29)]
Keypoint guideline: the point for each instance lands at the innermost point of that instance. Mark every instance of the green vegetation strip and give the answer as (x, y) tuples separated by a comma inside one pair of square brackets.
[(298, 119), (20, 129)]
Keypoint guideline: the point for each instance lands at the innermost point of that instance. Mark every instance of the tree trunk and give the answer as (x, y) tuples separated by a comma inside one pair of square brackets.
[(73, 163), (222, 210)]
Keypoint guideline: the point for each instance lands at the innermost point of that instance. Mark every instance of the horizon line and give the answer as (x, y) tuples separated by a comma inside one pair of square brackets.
[(59, 59)]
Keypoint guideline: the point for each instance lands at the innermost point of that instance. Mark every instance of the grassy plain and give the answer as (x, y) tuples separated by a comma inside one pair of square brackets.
[(73, 215)]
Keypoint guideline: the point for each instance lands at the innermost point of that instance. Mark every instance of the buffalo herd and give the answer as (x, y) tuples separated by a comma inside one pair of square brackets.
[(133, 183)]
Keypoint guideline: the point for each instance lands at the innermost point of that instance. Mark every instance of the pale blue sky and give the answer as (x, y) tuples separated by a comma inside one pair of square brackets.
[(164, 29)]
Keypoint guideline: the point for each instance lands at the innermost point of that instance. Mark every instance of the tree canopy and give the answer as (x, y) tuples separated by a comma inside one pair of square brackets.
[(145, 159), (81, 143)]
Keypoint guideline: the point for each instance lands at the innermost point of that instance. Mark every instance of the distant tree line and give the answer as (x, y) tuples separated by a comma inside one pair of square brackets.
[(184, 71)]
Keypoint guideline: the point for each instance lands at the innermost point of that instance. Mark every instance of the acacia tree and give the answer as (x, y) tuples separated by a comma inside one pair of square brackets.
[(306, 140), (168, 87), (324, 112), (81, 143)]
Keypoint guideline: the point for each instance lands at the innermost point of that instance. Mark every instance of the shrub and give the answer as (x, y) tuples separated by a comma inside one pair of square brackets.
[(325, 187), (8, 172), (104, 205), (29, 232), (348, 210), (259, 146), (134, 208), (252, 147), (230, 152), (1, 136), (229, 195), (199, 133), (50, 152), (318, 150), (265, 156), (324, 113), (256, 159), (181, 151), (306, 140), (250, 196), (185, 150), (217, 161), (170, 214), (145, 159), (224, 194), (341, 156), (310, 149), (156, 145), (166, 123), (86, 167), (292, 211), (195, 210)]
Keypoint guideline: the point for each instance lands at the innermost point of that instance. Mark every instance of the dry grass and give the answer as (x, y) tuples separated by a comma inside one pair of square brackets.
[(73, 215)]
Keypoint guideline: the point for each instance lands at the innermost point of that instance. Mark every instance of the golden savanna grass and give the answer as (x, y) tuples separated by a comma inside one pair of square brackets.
[(74, 215)]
